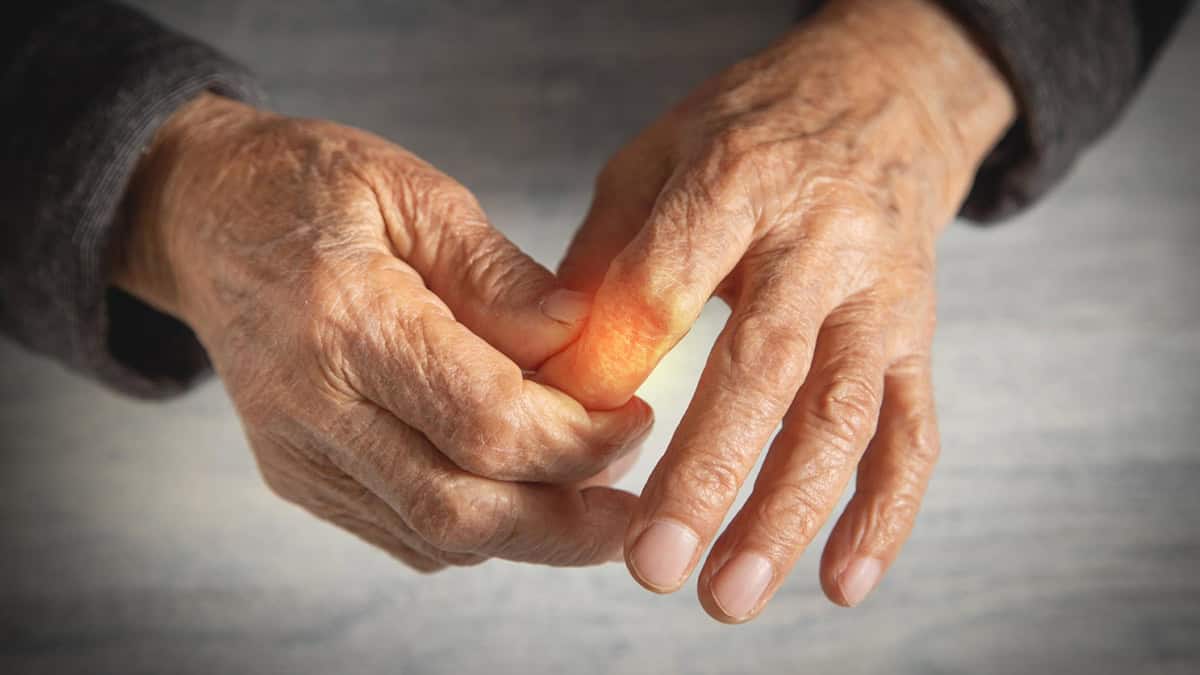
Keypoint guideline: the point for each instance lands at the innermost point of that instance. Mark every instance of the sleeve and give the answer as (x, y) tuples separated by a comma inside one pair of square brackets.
[(85, 86), (1074, 67)]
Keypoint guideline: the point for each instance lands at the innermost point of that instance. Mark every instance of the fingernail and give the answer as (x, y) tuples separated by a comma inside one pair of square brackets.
[(662, 555), (569, 307), (741, 583), (859, 577)]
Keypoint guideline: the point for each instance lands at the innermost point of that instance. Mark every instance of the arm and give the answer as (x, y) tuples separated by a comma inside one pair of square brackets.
[(86, 86), (1074, 67), (371, 327)]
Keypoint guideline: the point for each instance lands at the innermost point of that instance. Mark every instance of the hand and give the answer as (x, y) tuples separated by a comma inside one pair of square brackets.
[(804, 186), (371, 328)]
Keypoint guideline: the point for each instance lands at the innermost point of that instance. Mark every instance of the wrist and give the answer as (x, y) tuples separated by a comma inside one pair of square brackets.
[(964, 101), (154, 245)]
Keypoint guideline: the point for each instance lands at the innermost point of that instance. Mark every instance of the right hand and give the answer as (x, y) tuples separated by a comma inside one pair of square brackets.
[(372, 328)]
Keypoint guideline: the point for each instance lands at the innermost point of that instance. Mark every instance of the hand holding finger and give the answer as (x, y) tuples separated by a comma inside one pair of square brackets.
[(371, 328)]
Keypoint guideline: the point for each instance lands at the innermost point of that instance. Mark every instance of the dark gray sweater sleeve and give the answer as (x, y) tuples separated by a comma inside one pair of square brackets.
[(85, 87), (1074, 66)]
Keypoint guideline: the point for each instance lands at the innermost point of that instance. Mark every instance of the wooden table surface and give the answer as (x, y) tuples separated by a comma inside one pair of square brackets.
[(1061, 533)]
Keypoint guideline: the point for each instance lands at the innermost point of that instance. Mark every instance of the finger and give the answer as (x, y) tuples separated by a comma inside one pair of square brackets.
[(655, 288), (615, 471), (608, 227), (624, 196), (376, 513), (460, 513), (398, 346), (326, 501), (564, 527), (383, 540), (892, 478), (491, 286), (502, 295), (302, 473), (807, 468), (759, 361)]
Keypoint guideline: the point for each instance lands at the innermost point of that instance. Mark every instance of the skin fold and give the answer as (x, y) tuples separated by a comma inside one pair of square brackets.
[(805, 187), (376, 333)]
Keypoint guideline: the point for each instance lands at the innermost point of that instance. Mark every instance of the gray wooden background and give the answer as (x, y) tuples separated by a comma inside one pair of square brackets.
[(1060, 534)]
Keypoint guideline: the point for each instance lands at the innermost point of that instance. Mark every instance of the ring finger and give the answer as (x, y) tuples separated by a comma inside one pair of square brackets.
[(807, 468)]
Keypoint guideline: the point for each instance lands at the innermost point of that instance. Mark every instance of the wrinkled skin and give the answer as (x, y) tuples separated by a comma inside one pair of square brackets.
[(805, 187), (372, 329)]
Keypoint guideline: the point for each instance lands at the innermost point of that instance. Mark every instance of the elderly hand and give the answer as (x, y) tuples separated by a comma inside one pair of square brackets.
[(804, 186), (371, 328)]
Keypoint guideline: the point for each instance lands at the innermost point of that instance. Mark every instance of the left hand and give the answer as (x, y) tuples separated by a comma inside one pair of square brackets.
[(805, 187)]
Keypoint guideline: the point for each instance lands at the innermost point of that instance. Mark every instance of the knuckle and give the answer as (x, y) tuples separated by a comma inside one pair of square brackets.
[(454, 518), (738, 145), (380, 538), (840, 223), (704, 485), (887, 519), (450, 199), (919, 441), (431, 515), (790, 514), (495, 406), (489, 523), (487, 443), (767, 348), (424, 196), (459, 197), (492, 462), (846, 406), (659, 304), (918, 448), (493, 266), (738, 154)]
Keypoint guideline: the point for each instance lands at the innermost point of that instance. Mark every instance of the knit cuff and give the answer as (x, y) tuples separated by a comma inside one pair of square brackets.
[(97, 81)]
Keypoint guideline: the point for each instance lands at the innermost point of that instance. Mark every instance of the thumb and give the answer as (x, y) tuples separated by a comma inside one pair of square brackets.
[(498, 292)]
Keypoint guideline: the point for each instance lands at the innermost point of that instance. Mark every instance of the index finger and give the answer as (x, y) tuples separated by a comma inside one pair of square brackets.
[(655, 289)]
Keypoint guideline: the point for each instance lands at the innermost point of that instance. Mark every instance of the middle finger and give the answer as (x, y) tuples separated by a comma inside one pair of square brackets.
[(807, 468), (755, 368)]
